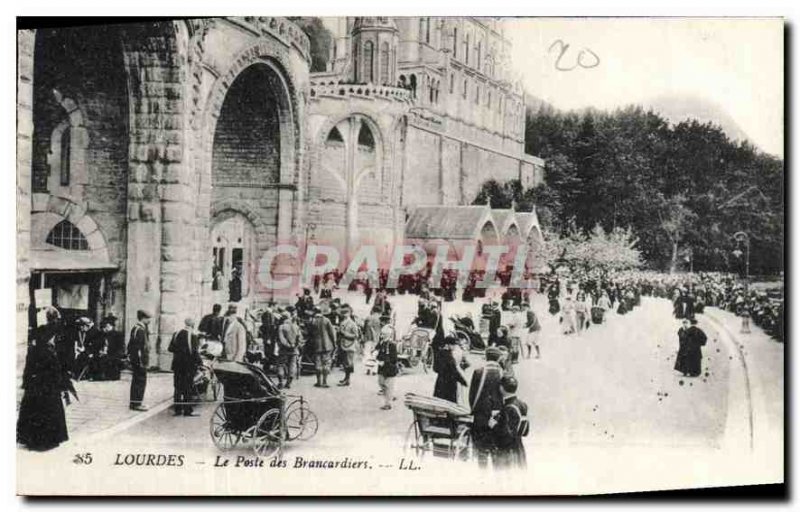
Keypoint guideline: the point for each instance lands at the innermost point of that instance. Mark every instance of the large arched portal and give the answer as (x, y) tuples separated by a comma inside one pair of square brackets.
[(252, 154)]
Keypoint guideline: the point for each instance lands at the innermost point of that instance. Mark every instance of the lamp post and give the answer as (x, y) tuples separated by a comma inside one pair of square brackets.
[(743, 238)]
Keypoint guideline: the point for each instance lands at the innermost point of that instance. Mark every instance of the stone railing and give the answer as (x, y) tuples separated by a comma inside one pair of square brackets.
[(279, 28), (343, 90)]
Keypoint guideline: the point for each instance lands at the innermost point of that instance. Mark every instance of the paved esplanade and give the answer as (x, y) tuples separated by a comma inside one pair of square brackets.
[(606, 407)]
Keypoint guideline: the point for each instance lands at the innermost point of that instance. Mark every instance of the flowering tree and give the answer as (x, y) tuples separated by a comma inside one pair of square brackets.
[(598, 249)]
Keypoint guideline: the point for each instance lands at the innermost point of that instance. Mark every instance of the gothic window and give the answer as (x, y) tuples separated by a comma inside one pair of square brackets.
[(414, 86), (464, 92), (452, 82), (478, 56), (466, 49), (369, 68), (385, 63), (455, 43), (65, 157), (477, 94), (335, 136), (427, 30), (489, 100), (67, 236), (365, 139)]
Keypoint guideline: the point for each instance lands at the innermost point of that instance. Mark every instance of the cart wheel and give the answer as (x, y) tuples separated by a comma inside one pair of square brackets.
[(222, 434), (427, 359), (301, 423), (413, 440), (462, 446), (267, 437)]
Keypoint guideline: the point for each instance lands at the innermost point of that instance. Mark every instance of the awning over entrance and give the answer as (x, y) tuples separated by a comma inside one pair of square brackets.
[(68, 261)]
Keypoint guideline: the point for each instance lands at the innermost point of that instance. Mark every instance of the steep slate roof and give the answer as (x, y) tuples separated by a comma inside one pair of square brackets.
[(447, 222), (503, 219), (526, 221)]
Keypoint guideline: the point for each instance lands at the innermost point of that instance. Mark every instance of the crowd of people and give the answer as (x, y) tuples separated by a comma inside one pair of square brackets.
[(319, 332)]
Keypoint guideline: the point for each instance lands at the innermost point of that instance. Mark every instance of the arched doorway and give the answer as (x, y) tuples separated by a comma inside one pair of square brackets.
[(232, 251), (252, 157)]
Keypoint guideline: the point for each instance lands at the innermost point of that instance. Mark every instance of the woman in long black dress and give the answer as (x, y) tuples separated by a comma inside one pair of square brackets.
[(41, 424), (690, 342), (448, 374)]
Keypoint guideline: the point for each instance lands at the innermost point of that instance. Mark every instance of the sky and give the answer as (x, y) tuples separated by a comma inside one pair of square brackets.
[(736, 64)]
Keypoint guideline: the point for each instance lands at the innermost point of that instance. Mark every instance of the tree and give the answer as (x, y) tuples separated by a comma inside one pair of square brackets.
[(320, 38), (674, 217), (682, 187)]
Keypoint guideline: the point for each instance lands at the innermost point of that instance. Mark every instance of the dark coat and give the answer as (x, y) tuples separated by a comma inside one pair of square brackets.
[(211, 325), (489, 399), (448, 378), (108, 350), (185, 358), (387, 353), (41, 424), (322, 335), (508, 438), (139, 347), (690, 355)]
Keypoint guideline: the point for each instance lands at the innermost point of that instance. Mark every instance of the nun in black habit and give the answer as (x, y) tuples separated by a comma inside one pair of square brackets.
[(448, 373), (691, 339), (41, 424)]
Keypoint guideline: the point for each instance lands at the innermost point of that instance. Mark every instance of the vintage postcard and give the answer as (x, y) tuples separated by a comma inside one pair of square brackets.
[(465, 256)]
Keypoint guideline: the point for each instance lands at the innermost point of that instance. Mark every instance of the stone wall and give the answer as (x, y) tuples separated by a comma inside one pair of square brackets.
[(445, 170), (80, 82), (247, 136), (25, 48)]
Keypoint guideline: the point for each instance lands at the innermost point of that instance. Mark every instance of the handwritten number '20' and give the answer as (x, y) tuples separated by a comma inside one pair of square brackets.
[(586, 58)]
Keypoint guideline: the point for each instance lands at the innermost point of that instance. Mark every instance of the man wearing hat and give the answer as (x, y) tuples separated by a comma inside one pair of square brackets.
[(485, 402), (185, 361), (81, 344), (139, 357), (106, 351), (348, 341), (322, 339), (234, 336), (211, 324), (288, 341)]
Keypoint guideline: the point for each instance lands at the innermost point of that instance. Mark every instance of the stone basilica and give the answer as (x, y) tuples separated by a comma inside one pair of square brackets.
[(157, 161)]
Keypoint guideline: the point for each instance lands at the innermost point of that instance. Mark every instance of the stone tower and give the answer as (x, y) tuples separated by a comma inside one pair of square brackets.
[(374, 51)]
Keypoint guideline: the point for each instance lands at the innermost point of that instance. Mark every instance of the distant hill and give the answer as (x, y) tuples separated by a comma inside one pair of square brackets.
[(676, 108)]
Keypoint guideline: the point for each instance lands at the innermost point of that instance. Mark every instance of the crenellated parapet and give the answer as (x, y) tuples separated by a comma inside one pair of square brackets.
[(362, 91)]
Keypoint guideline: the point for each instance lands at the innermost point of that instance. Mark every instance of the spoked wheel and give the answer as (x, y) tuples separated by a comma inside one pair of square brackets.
[(301, 422), (462, 445), (267, 436), (414, 443), (222, 434)]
